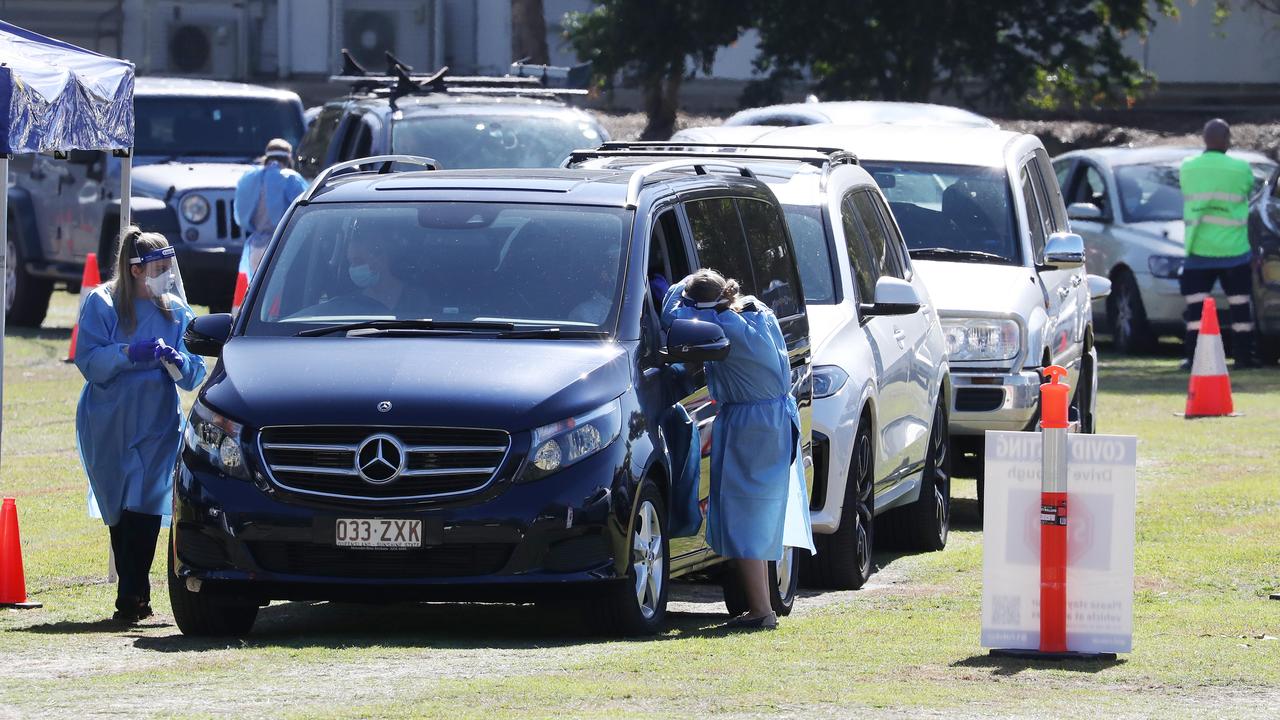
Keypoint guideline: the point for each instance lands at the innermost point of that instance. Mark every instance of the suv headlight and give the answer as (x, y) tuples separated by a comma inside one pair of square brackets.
[(560, 444), (827, 380), (195, 209), (981, 339), (217, 440), (1165, 266)]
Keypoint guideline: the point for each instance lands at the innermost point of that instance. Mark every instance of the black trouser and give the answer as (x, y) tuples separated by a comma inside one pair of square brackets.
[(1237, 283), (133, 540)]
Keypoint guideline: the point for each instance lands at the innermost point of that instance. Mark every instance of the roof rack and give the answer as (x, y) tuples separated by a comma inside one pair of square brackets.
[(825, 158), (400, 81), (637, 181), (387, 163)]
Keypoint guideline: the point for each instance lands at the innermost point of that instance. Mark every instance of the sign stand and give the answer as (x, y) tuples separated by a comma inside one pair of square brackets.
[(1044, 621)]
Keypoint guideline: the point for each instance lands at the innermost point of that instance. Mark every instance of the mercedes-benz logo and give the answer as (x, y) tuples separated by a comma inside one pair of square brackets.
[(380, 459), (384, 406)]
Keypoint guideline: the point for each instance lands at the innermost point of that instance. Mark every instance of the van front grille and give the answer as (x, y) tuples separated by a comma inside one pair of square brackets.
[(383, 463)]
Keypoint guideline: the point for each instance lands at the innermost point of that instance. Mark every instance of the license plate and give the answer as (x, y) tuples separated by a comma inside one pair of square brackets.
[(378, 533)]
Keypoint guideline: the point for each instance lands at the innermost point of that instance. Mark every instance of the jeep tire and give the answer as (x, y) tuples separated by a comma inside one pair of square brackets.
[(26, 300)]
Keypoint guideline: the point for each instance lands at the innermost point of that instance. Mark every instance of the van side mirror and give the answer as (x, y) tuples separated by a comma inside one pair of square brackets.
[(1064, 251), (207, 334), (695, 341), (1084, 211), (893, 296)]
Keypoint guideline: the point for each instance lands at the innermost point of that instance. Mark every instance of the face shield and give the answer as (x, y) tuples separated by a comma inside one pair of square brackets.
[(160, 276)]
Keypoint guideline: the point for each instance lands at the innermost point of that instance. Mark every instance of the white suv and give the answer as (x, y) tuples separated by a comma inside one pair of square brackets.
[(881, 379), (987, 228)]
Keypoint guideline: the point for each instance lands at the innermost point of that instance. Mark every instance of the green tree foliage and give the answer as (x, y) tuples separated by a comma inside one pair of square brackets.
[(1048, 53), (654, 43)]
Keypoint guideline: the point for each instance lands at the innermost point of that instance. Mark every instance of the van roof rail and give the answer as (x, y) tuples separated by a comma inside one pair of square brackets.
[(387, 163), (819, 156), (400, 81), (700, 167)]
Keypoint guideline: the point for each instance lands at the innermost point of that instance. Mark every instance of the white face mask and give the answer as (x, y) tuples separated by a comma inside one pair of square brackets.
[(160, 284)]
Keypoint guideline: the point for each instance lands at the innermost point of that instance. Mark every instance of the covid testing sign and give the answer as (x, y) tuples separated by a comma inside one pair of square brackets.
[(1101, 479)]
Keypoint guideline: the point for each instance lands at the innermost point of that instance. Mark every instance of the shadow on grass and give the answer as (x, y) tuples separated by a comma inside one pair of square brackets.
[(1008, 666)]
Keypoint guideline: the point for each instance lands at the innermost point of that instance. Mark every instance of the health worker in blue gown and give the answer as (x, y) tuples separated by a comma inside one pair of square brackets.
[(758, 499), (128, 421), (263, 194)]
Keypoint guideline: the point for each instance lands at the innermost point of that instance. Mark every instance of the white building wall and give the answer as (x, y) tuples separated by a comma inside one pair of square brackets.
[(1191, 49)]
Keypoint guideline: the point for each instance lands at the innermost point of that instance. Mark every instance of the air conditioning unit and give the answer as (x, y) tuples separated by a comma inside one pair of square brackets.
[(405, 28), (198, 40)]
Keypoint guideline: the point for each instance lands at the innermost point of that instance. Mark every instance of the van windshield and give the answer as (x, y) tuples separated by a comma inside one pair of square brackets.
[(215, 126), (454, 263), (955, 207), (499, 141)]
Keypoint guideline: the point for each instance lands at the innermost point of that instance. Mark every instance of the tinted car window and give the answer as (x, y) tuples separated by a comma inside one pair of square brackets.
[(885, 259), (774, 269), (217, 126), (865, 268), (1035, 223), (492, 141), (813, 253), (717, 234), (314, 149), (536, 264), (958, 207)]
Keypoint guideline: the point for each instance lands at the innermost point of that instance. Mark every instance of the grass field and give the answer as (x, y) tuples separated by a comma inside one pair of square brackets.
[(907, 646)]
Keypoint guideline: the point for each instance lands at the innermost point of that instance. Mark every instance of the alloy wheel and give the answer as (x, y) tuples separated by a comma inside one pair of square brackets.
[(941, 452), (866, 489), (647, 560)]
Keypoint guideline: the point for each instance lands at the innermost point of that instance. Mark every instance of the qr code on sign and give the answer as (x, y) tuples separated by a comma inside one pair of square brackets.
[(1006, 610)]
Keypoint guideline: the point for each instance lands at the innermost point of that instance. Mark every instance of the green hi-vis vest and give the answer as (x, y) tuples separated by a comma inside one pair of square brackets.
[(1215, 204)]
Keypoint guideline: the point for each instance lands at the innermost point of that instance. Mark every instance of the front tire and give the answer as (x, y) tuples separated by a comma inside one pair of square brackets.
[(26, 299), (637, 604), (843, 561), (1130, 331), (205, 615), (926, 523)]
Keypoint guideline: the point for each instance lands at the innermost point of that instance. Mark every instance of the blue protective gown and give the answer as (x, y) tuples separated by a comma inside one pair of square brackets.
[(755, 441), (128, 420), (282, 187)]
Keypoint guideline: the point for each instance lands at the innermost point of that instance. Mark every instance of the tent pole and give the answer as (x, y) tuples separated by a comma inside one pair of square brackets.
[(4, 277), (126, 186)]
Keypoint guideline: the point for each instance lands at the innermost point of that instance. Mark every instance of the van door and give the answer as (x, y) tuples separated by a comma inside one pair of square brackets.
[(888, 339)]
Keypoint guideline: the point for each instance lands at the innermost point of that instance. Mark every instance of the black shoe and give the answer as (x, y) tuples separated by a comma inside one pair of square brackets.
[(746, 622), (131, 612)]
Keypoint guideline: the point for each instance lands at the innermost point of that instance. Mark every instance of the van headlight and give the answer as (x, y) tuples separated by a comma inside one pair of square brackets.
[(560, 444), (827, 380), (195, 208), (216, 440), (1165, 266), (981, 339)]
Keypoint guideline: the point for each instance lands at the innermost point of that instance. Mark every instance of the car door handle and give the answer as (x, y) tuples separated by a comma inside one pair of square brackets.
[(900, 336), (1075, 281), (1063, 292)]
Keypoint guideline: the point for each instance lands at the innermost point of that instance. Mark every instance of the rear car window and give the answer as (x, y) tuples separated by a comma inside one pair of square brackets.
[(717, 235), (774, 268), (813, 253)]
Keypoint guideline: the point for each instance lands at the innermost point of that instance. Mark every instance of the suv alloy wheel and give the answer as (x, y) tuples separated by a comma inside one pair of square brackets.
[(843, 561), (637, 604)]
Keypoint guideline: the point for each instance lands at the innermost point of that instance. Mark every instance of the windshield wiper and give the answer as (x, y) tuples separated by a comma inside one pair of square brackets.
[(960, 255), (424, 324), (552, 332)]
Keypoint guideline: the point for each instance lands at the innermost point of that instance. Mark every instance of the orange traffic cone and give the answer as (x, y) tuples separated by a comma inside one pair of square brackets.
[(1209, 392), (13, 585), (89, 280), (242, 287)]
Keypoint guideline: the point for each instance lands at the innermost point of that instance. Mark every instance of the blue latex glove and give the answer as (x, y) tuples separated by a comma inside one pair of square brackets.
[(170, 355), (658, 285), (142, 350)]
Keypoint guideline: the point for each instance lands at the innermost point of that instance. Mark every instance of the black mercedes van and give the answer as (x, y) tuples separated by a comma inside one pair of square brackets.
[(453, 384)]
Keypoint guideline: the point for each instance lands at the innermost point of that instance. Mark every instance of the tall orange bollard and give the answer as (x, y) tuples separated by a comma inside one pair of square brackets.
[(1209, 390), (1055, 397), (89, 280), (13, 584)]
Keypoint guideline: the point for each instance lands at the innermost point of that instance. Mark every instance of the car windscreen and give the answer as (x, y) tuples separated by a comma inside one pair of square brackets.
[(813, 253), (1153, 192), (218, 126), (450, 262), (493, 141), (955, 207)]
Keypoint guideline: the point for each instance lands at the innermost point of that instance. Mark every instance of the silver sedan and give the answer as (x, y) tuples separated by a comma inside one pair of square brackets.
[(1127, 205)]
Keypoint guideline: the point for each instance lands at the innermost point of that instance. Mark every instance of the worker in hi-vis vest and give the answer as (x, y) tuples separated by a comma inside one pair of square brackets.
[(1215, 208)]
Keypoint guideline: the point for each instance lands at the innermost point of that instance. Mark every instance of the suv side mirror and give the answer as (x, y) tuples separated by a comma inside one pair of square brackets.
[(695, 341), (207, 334), (1064, 251), (1084, 211), (893, 297), (1099, 287)]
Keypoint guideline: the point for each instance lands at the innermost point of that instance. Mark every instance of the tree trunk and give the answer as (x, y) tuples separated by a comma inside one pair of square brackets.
[(529, 31), (661, 99)]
